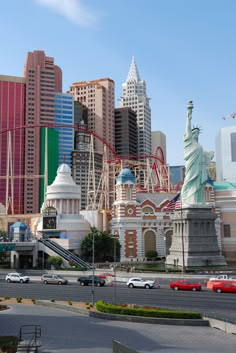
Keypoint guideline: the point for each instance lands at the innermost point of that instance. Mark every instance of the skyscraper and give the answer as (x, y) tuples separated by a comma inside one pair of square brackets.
[(125, 132), (134, 96), (159, 140), (12, 112), (43, 80), (226, 154), (82, 164), (64, 115), (98, 97)]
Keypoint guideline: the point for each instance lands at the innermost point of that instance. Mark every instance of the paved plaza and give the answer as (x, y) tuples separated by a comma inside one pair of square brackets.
[(67, 332)]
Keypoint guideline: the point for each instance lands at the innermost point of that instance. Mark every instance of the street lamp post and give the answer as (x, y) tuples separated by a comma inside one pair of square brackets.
[(114, 268), (93, 273)]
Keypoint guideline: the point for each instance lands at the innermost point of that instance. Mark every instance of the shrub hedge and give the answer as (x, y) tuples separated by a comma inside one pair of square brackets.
[(139, 311)]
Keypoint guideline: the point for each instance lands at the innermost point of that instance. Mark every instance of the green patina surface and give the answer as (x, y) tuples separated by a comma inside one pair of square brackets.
[(224, 186)]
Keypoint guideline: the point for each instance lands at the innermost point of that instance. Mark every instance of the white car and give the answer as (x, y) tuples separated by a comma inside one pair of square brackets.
[(17, 277), (140, 283)]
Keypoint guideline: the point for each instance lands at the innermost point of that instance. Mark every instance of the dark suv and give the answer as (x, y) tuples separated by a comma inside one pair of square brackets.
[(86, 280)]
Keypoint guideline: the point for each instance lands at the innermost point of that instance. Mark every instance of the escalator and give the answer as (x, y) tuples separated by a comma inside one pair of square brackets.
[(65, 254)]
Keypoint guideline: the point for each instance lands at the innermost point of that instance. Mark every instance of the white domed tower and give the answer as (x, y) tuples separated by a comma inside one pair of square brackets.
[(63, 193), (126, 217), (61, 218)]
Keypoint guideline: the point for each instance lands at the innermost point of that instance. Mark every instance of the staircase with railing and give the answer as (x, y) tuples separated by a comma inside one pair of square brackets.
[(29, 339), (65, 254)]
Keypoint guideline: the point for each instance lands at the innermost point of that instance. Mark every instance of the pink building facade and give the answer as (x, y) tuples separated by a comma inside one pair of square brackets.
[(12, 143)]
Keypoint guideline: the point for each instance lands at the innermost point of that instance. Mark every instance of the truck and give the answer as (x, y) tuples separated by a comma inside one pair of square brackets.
[(87, 280), (223, 278)]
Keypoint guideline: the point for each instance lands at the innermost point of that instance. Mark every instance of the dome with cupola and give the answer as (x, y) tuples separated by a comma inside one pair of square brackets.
[(125, 177)]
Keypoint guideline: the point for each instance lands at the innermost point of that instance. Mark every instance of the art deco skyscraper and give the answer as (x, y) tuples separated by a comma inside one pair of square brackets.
[(43, 80), (134, 96)]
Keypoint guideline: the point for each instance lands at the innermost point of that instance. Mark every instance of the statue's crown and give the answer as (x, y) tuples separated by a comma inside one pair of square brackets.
[(197, 127)]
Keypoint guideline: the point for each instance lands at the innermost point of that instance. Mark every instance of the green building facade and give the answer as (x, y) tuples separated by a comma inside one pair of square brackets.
[(52, 137)]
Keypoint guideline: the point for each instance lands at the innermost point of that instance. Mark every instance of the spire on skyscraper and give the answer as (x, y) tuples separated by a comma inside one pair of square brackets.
[(133, 74)]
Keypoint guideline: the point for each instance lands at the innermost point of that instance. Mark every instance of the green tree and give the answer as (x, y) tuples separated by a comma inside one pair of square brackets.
[(55, 261), (3, 235), (103, 246), (151, 254)]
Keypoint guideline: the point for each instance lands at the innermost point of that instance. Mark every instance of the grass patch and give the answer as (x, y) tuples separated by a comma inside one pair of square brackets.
[(8, 344)]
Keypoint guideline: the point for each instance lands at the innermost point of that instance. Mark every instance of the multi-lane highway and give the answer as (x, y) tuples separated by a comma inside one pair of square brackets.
[(206, 301)]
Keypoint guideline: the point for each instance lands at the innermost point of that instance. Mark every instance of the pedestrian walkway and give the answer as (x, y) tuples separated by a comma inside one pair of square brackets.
[(67, 332)]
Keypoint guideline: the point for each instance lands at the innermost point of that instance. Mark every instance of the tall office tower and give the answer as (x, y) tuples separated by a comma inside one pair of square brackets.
[(226, 154), (98, 97), (83, 161), (12, 113), (125, 132), (159, 140), (134, 96), (43, 80), (64, 115)]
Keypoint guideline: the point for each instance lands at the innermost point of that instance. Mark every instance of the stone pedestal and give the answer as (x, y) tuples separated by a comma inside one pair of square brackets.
[(194, 240)]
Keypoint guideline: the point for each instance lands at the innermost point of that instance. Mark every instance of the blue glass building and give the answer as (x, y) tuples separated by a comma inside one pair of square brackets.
[(64, 115)]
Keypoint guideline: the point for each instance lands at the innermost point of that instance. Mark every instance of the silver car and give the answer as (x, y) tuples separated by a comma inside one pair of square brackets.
[(17, 277), (53, 279)]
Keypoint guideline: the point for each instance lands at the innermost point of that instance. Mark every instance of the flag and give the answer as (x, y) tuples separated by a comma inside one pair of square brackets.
[(173, 204)]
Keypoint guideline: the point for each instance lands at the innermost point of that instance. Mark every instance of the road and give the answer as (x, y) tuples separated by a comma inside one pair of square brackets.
[(222, 305)]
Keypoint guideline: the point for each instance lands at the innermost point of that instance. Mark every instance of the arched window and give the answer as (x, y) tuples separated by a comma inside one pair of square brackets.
[(147, 210), (149, 241)]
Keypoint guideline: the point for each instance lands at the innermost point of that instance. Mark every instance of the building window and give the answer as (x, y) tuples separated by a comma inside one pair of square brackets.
[(233, 147), (130, 211), (131, 252), (227, 231), (128, 194), (131, 238), (148, 210)]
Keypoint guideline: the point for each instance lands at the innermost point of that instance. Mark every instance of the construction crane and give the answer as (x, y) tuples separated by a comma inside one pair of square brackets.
[(233, 115)]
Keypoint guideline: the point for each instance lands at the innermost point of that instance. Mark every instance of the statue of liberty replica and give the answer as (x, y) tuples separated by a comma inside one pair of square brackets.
[(194, 240)]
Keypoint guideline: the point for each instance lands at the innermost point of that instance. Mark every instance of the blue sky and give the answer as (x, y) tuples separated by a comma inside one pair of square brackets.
[(184, 49)]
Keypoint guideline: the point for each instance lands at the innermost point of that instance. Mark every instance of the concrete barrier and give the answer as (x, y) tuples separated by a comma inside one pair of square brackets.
[(222, 325)]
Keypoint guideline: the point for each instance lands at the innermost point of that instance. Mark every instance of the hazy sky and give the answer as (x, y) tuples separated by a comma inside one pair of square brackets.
[(184, 49)]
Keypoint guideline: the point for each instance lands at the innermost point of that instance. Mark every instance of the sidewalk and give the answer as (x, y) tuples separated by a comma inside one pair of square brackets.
[(67, 332)]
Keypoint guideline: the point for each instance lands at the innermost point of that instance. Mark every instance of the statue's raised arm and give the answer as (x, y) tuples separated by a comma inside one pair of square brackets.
[(192, 192), (188, 130)]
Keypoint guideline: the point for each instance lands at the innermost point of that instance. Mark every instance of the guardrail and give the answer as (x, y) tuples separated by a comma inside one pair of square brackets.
[(28, 338)]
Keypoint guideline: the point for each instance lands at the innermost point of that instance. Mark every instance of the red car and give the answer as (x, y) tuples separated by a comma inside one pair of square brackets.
[(185, 285), (224, 287), (105, 275)]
